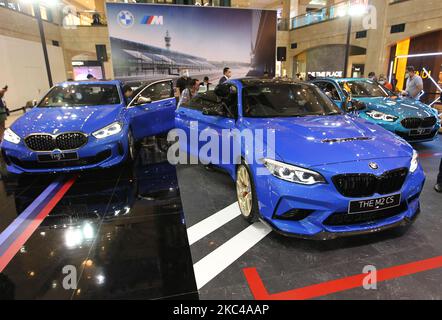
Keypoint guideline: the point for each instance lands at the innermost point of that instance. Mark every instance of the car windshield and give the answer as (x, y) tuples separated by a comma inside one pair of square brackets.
[(286, 100), (79, 95), (363, 88)]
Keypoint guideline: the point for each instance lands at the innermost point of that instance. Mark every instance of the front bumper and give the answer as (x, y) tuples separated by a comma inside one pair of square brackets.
[(323, 202), (95, 154), (397, 128)]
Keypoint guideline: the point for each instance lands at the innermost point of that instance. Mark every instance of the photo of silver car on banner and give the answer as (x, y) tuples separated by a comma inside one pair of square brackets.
[(157, 41)]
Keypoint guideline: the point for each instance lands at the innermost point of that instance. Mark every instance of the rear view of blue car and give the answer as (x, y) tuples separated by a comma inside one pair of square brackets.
[(87, 125), (408, 118)]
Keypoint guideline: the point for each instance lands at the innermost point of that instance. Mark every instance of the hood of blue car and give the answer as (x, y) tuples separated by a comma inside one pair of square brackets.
[(62, 119), (313, 141), (399, 107)]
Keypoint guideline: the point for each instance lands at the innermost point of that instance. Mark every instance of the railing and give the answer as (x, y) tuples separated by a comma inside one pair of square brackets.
[(84, 18), (335, 11), (283, 24)]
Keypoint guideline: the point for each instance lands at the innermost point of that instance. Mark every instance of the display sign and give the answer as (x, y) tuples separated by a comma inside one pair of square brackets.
[(151, 41)]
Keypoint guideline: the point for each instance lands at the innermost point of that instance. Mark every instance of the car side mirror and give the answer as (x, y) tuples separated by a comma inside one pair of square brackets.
[(31, 103), (359, 105), (348, 106)]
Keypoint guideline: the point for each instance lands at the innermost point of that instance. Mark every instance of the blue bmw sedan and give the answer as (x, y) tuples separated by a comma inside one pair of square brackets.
[(408, 118), (86, 125), (327, 174)]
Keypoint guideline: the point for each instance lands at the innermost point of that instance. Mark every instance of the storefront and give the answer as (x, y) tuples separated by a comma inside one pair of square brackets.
[(424, 52), (316, 62)]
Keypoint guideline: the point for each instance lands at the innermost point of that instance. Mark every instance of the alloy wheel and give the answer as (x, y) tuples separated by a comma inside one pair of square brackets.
[(244, 191), (131, 143)]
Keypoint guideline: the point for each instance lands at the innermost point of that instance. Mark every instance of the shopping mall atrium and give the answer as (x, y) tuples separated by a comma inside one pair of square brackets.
[(220, 150)]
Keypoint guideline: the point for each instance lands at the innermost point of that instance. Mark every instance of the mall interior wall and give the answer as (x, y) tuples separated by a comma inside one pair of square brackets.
[(23, 69)]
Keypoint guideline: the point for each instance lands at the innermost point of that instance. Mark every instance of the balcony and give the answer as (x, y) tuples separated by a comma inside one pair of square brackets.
[(332, 12)]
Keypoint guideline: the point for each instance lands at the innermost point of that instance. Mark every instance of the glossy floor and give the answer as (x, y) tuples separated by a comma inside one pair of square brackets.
[(121, 230), (124, 234), (284, 264)]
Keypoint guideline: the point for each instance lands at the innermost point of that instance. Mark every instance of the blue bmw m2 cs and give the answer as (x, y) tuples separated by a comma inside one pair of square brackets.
[(86, 125), (328, 175)]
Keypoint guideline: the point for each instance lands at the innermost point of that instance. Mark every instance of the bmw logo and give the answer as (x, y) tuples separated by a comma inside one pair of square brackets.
[(126, 19), (373, 165)]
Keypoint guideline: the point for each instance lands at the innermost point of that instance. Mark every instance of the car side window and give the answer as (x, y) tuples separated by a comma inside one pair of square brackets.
[(202, 100), (329, 89), (231, 102), (158, 91)]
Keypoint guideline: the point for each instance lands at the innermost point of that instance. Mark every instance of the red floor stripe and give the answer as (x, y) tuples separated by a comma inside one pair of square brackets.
[(322, 289), (21, 240), (429, 155)]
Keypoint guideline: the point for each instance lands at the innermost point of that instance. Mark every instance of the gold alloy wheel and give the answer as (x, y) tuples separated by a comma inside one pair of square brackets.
[(244, 191)]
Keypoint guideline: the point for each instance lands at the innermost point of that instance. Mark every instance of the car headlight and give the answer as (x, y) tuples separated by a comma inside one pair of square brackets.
[(108, 131), (293, 173), (11, 136), (377, 115), (414, 161)]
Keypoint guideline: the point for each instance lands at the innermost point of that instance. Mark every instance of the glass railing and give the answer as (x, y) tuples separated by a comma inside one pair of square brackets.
[(84, 19), (328, 13)]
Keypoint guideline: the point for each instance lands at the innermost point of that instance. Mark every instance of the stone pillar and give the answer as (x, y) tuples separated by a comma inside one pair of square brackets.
[(377, 51)]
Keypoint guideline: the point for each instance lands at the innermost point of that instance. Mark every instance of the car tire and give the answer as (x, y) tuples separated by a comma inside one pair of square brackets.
[(131, 147), (246, 194)]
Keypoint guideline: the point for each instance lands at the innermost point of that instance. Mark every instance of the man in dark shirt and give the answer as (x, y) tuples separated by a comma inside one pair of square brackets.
[(227, 73)]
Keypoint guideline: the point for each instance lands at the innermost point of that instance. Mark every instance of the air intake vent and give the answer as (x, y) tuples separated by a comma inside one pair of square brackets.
[(339, 140)]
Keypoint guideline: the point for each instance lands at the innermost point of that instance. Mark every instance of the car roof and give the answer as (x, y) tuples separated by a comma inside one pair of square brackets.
[(91, 82), (254, 81)]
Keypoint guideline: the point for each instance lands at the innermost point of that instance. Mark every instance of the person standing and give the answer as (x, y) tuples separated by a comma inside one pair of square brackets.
[(190, 92), (3, 111), (227, 74), (372, 76), (438, 186), (206, 83), (415, 85), (384, 82), (182, 83)]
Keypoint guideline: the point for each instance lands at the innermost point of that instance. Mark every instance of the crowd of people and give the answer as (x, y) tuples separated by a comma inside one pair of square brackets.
[(187, 88)]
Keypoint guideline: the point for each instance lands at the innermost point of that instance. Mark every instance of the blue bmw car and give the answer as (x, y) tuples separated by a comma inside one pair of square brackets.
[(86, 125), (410, 119), (328, 175)]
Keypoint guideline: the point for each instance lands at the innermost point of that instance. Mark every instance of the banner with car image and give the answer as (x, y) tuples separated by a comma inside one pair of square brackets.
[(158, 41)]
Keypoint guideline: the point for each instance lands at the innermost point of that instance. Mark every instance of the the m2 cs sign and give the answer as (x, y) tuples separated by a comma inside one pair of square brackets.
[(153, 20)]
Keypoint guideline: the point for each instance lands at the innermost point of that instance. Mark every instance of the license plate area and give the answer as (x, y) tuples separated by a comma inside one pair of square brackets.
[(420, 132), (57, 157), (370, 205)]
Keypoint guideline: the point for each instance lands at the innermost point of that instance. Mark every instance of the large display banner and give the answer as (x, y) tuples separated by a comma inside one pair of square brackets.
[(158, 41)]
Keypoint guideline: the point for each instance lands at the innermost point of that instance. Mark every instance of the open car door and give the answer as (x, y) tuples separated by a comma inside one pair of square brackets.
[(152, 110)]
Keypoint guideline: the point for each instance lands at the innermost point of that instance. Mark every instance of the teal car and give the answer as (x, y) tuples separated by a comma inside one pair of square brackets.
[(410, 119)]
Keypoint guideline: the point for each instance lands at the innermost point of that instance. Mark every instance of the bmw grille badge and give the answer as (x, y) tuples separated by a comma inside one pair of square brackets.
[(373, 165)]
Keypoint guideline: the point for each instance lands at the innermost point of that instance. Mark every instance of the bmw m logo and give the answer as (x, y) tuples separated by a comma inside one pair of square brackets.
[(373, 165), (126, 19), (153, 20)]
